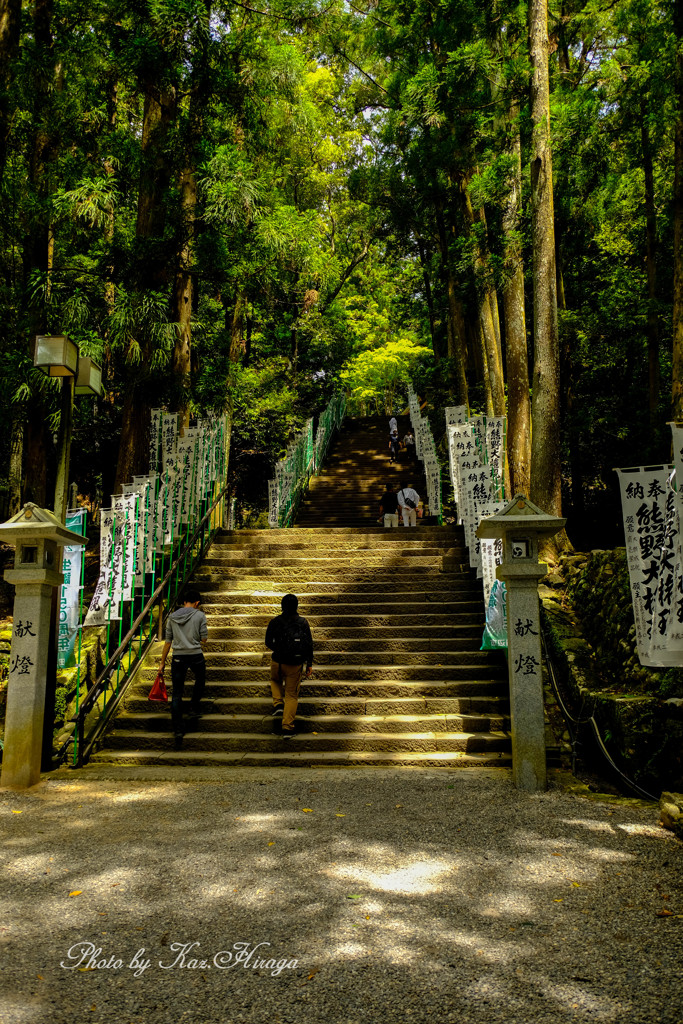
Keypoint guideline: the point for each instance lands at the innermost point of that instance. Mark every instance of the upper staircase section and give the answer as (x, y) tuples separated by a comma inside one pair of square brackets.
[(347, 492)]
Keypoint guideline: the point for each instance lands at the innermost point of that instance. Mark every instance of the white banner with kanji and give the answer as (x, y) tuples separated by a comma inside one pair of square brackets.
[(101, 609), (643, 502), (666, 640)]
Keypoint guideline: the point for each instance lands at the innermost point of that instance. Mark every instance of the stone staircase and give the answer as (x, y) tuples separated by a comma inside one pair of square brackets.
[(348, 490), (396, 618)]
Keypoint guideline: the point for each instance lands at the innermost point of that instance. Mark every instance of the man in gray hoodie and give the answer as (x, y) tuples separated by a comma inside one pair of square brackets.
[(187, 632)]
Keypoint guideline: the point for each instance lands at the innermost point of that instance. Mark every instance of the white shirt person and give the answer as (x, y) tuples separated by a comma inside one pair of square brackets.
[(408, 500)]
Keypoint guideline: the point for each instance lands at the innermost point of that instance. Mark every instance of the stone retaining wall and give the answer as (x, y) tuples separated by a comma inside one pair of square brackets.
[(589, 618)]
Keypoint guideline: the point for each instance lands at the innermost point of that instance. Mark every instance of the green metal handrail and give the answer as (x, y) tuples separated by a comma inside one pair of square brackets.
[(135, 644), (303, 460)]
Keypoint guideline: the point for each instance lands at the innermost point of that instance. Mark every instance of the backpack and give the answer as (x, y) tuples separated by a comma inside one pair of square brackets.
[(291, 641)]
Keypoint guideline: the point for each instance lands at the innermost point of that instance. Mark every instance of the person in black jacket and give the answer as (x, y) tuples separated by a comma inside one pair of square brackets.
[(388, 506), (288, 636)]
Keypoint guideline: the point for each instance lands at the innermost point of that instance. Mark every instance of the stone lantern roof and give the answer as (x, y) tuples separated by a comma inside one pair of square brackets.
[(35, 523), (520, 514)]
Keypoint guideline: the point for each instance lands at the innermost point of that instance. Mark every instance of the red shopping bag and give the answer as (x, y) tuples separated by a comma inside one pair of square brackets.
[(159, 691)]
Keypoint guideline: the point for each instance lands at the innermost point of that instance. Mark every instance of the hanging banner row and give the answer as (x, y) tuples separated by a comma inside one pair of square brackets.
[(149, 516), (476, 453)]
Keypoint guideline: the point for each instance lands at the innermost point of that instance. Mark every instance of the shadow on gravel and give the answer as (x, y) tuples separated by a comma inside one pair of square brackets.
[(382, 896)]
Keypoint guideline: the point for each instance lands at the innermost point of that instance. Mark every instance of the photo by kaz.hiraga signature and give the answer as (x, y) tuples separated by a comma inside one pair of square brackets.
[(86, 956)]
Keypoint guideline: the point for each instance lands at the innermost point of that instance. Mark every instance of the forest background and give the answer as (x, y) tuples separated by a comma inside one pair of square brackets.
[(241, 207)]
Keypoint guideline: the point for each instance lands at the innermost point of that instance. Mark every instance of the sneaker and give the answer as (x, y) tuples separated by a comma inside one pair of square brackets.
[(278, 711), (290, 734)]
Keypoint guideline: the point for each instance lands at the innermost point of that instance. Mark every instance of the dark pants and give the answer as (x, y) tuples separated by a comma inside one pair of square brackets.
[(179, 667)]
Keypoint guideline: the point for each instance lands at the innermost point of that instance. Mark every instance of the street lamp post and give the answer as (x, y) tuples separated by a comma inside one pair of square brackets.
[(57, 356)]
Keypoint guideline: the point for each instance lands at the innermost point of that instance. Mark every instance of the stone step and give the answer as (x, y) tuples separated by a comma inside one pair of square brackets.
[(468, 665), (322, 572), (466, 742), (381, 540), (324, 658), (368, 688), (468, 625), (397, 621), (156, 722), (215, 603), (333, 595), (262, 706), (402, 561), (296, 758), (365, 646), (444, 583), (409, 550), (301, 533)]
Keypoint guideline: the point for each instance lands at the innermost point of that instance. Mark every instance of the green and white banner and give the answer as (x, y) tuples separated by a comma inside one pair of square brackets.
[(70, 591)]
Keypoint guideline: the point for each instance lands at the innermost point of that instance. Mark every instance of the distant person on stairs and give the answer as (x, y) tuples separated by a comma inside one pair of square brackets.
[(288, 636), (409, 445), (408, 500), (388, 506), (187, 632), (393, 425), (394, 446)]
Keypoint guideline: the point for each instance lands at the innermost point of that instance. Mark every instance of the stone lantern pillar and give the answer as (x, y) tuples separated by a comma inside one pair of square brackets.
[(520, 525), (39, 538)]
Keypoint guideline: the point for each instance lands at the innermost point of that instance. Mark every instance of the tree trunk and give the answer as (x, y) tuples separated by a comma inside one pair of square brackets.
[(37, 444), (546, 471), (155, 172), (10, 34), (457, 344), (109, 225), (561, 298), (457, 354), (158, 115), (16, 463), (651, 263), (185, 283), (183, 296), (429, 299), (491, 292), (517, 358), (484, 349), (494, 386), (677, 361), (37, 228), (109, 229), (36, 243), (133, 450), (235, 323)]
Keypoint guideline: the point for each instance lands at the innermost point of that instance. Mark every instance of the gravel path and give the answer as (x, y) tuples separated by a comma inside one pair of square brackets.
[(386, 895)]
